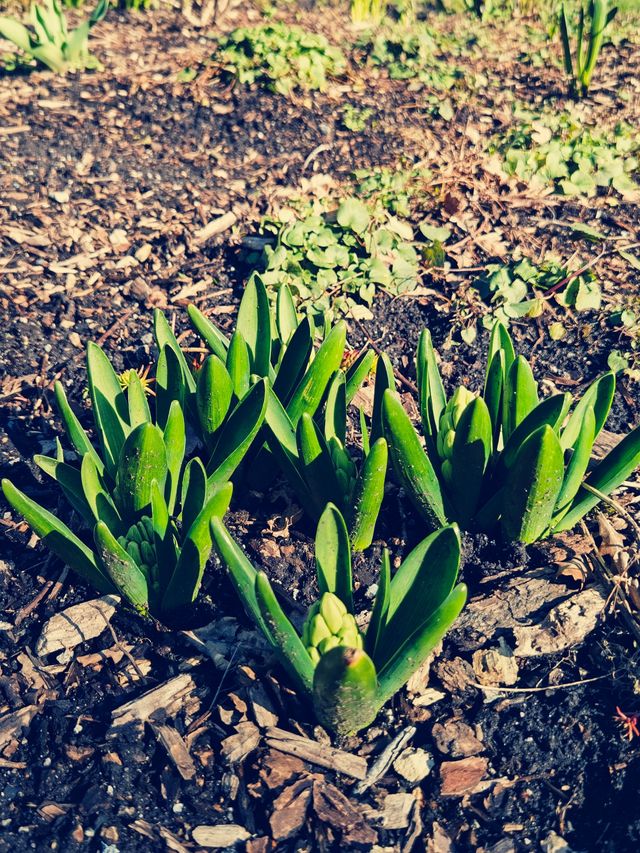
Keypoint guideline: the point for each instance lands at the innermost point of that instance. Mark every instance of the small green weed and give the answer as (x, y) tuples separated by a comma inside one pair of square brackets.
[(558, 150), (625, 319), (280, 58), (516, 290), (355, 118), (335, 263)]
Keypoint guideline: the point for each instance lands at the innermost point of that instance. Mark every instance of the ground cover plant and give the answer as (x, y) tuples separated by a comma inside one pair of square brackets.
[(335, 263), (279, 57), (519, 289), (161, 707), (558, 151)]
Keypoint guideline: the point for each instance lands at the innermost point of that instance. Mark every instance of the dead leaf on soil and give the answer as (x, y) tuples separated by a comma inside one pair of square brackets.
[(457, 739), (397, 810), (495, 666), (12, 725), (76, 625), (166, 700), (317, 753), (220, 836), (236, 748), (312, 793), (566, 625), (462, 777)]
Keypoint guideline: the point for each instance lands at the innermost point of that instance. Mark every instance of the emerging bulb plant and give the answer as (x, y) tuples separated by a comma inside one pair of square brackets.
[(504, 459), (346, 674), (329, 625), (320, 468), (148, 514), (449, 420), (306, 408)]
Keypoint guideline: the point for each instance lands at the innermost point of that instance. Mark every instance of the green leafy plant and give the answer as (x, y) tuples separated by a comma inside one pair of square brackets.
[(280, 57), (335, 263), (319, 466), (413, 53), (347, 675), (581, 63), (516, 289), (50, 43), (276, 345), (504, 458), (355, 118), (149, 516), (223, 397), (559, 151), (625, 319), (392, 189)]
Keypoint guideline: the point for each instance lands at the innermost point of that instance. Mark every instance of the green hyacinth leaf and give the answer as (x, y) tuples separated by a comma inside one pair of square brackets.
[(410, 462), (367, 496), (214, 391), (607, 475), (493, 393), (143, 459), (431, 394), (579, 462), (238, 433), (283, 444), (335, 408), (238, 365), (472, 449), (286, 315), (125, 573), (283, 635), (58, 538), (293, 364), (165, 337), (242, 573), (551, 411), (194, 491), (358, 371), (310, 391), (532, 487), (521, 395), (384, 380), (254, 324), (417, 648), (182, 589), (380, 610), (139, 412), (16, 32), (164, 544), (175, 441), (345, 690), (69, 480), (500, 341), (75, 433), (318, 469), (110, 409), (99, 501), (599, 395), (170, 384), (210, 334), (333, 556), (419, 587)]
